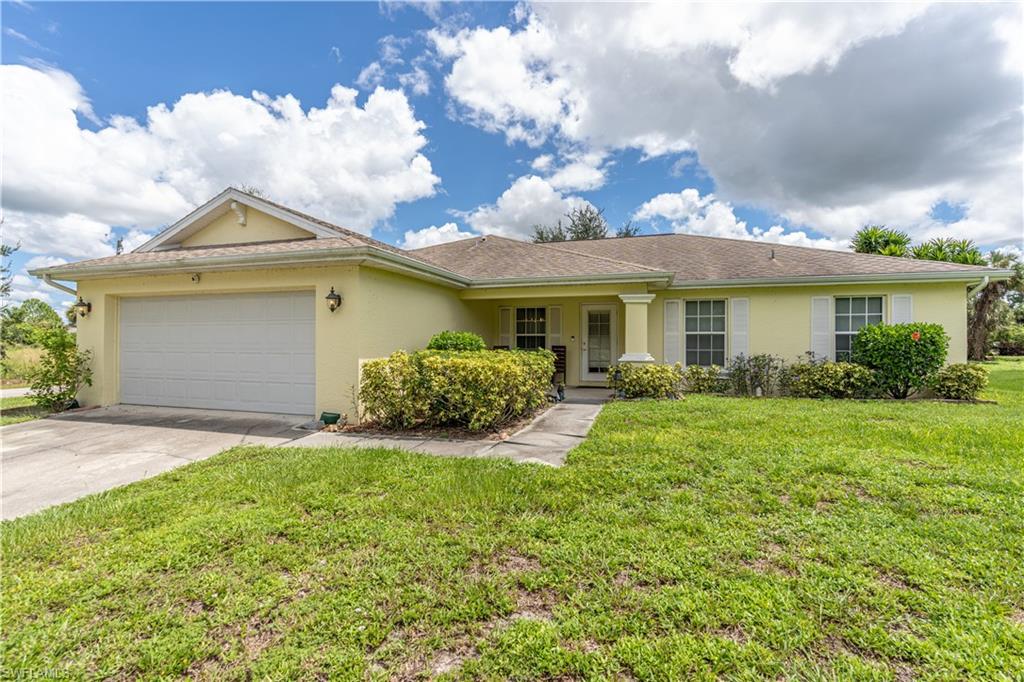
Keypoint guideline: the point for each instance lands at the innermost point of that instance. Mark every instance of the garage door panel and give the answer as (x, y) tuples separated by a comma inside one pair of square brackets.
[(235, 352)]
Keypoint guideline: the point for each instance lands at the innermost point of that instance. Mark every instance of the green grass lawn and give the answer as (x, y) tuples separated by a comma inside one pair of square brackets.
[(17, 410), (713, 537)]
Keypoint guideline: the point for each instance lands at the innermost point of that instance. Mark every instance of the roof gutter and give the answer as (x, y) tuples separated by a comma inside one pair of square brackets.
[(349, 254), (886, 278), (57, 285), (981, 285)]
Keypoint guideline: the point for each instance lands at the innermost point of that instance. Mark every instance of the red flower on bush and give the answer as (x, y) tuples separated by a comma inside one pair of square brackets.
[(916, 336)]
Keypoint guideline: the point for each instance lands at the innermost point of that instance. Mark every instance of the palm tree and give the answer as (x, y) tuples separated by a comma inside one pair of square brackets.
[(882, 240)]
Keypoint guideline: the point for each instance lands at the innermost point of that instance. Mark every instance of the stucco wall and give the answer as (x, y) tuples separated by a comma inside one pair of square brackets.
[(780, 317), (259, 227)]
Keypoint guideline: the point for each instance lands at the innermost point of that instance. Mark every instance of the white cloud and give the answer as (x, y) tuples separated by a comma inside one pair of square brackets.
[(372, 75), (690, 213), (429, 236), (391, 63), (542, 162), (529, 201), (582, 172), (65, 185), (827, 114), (43, 262), (24, 287)]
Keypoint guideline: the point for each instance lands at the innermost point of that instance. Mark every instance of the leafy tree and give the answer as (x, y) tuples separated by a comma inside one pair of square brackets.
[(6, 251), (585, 222), (983, 312), (21, 324), (882, 240), (628, 229)]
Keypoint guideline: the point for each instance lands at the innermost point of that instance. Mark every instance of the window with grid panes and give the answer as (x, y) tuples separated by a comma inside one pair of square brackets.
[(705, 333), (531, 328), (852, 313)]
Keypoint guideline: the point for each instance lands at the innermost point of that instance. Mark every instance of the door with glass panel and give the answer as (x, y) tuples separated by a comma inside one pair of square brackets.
[(597, 350)]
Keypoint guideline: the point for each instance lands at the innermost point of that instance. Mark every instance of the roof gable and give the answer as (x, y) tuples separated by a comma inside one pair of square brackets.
[(224, 220)]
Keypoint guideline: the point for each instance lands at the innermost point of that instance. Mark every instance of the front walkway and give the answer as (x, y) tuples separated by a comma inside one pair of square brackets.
[(547, 440)]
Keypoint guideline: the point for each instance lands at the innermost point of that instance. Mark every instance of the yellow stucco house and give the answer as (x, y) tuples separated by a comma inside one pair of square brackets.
[(232, 308)]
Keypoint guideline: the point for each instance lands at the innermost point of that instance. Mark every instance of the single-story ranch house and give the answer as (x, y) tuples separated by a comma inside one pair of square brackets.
[(245, 304)]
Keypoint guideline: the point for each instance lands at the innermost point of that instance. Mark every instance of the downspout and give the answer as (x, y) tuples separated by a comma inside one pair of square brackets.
[(981, 285), (57, 285)]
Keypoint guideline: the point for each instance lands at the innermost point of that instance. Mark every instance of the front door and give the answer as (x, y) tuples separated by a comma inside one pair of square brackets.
[(598, 342)]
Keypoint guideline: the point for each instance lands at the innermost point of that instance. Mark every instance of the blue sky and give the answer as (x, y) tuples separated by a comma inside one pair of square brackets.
[(717, 135)]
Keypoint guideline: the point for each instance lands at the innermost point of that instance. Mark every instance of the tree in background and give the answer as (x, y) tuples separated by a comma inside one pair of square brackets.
[(585, 222), (985, 314), (962, 251), (881, 240), (23, 323), (6, 251)]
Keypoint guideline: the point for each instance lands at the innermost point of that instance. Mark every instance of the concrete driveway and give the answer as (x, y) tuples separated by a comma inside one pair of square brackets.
[(62, 458)]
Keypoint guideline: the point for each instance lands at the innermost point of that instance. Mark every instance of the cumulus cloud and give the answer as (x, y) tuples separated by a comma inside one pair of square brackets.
[(429, 236), (44, 262), (24, 287), (826, 114), (65, 185), (529, 201), (391, 65), (687, 212)]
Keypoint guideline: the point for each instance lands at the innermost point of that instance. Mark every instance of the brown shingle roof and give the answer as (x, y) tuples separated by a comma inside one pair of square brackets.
[(695, 258), (495, 257)]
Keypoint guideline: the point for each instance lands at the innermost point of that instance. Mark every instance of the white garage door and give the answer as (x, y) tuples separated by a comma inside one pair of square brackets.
[(251, 352)]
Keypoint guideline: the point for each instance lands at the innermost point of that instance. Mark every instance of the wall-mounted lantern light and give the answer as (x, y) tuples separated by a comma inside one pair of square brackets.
[(82, 308), (333, 300)]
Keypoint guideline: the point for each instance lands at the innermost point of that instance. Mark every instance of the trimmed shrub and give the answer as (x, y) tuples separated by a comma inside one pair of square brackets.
[(747, 374), (62, 371), (962, 381), (697, 379), (828, 380), (1009, 340), (647, 380), (476, 390), (903, 356), (450, 340)]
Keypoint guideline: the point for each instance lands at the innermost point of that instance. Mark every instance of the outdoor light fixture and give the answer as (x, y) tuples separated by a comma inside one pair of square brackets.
[(333, 300), (82, 308)]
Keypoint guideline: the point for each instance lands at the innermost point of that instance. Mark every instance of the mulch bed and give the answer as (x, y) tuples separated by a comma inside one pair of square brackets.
[(446, 432)]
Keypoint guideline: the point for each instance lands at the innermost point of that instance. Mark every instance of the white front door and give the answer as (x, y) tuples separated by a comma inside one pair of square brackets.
[(597, 349), (251, 352)]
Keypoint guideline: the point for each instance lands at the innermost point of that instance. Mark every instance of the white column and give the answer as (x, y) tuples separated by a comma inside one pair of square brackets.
[(636, 327)]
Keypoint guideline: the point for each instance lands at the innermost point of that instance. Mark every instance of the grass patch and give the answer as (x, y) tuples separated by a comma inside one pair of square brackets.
[(712, 537), (18, 364), (20, 409)]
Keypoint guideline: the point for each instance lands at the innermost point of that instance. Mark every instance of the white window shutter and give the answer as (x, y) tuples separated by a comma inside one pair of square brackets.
[(821, 327), (673, 332), (554, 326), (740, 327), (505, 327), (902, 308)]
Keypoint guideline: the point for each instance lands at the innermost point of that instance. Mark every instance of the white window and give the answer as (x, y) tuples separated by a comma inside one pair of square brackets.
[(705, 332), (531, 328), (852, 313)]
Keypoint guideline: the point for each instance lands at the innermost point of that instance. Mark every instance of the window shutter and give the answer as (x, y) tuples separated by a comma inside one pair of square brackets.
[(505, 327), (821, 327), (902, 308), (673, 335), (554, 326), (740, 327)]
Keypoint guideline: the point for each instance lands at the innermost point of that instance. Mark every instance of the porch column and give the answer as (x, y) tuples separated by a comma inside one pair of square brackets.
[(636, 327)]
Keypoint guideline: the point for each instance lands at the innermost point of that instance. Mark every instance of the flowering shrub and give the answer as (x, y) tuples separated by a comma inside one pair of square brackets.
[(697, 379), (476, 390), (903, 356), (828, 380), (750, 374), (647, 380), (962, 381), (450, 340)]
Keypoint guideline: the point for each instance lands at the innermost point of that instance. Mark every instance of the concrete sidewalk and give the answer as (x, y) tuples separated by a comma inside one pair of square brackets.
[(547, 440)]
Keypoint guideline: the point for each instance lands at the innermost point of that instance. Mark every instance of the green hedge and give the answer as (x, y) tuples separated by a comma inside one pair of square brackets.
[(828, 380), (699, 379), (647, 380), (450, 340), (903, 356), (476, 390), (961, 381)]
